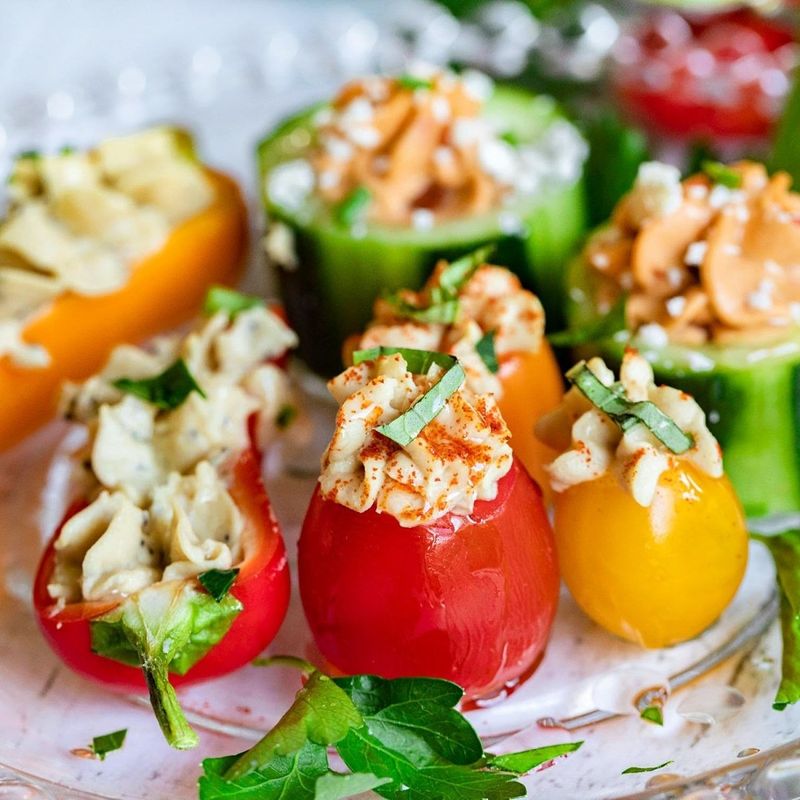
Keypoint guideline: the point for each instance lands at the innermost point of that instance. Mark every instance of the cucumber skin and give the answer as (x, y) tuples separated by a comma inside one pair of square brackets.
[(758, 408), (329, 296)]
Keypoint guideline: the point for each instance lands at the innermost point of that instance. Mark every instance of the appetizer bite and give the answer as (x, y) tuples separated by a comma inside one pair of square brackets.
[(169, 567), (366, 193), (707, 271), (480, 314), (651, 537), (426, 549), (100, 248)]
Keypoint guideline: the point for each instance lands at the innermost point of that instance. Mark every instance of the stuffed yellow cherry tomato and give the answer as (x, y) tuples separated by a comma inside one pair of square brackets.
[(481, 314), (651, 537)]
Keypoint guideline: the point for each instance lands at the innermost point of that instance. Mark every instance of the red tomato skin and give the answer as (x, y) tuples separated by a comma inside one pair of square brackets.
[(470, 599), (262, 586)]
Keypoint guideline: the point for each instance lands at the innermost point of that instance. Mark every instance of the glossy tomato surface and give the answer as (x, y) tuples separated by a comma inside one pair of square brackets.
[(470, 599), (656, 575), (719, 76), (532, 386), (262, 586)]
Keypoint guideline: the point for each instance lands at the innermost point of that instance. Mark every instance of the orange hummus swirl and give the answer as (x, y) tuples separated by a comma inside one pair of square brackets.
[(703, 262)]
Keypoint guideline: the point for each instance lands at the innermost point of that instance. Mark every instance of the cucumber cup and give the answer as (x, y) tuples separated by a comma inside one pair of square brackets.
[(751, 396), (331, 271)]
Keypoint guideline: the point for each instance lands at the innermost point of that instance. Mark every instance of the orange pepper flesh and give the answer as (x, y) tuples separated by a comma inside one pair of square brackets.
[(532, 385), (164, 289), (657, 575)]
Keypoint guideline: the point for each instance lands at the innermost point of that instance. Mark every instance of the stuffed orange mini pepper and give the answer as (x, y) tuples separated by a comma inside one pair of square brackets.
[(651, 536), (103, 247), (481, 315)]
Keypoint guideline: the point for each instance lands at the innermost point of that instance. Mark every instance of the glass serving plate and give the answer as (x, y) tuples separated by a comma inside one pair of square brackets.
[(229, 78)]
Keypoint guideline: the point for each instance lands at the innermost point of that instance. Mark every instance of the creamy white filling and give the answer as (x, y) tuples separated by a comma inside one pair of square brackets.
[(592, 444), (457, 459), (80, 221), (161, 509)]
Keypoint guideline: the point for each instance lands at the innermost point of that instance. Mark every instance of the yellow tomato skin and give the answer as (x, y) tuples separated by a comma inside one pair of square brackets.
[(657, 575)]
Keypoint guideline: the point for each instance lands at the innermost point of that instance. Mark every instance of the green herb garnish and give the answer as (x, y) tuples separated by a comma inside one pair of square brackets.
[(443, 303), (167, 390), (442, 310), (398, 737), (32, 155), (417, 361), (509, 137), (484, 347), (636, 770), (218, 582), (108, 743), (609, 324), (167, 627), (67, 150), (785, 550), (612, 401), (456, 274), (412, 82), (653, 714), (286, 416), (722, 174), (353, 207), (405, 428), (221, 298)]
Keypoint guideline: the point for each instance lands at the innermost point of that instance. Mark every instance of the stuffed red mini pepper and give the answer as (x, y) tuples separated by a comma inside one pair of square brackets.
[(171, 559), (426, 549)]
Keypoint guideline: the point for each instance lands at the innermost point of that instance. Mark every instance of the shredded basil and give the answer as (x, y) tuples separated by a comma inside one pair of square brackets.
[(455, 275), (444, 312), (353, 207), (221, 298), (611, 400), (409, 425), (722, 174), (218, 582), (108, 743), (413, 82), (417, 361), (167, 390), (484, 347)]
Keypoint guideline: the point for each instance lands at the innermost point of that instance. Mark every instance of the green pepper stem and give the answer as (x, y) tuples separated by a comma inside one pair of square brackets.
[(168, 711)]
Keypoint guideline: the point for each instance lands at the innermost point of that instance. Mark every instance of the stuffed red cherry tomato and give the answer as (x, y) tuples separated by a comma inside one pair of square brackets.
[(481, 314), (717, 77), (171, 569), (404, 569)]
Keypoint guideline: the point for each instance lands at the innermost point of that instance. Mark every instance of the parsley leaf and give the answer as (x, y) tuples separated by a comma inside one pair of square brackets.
[(722, 174), (167, 390), (413, 82), (785, 550), (607, 325), (221, 298), (353, 207), (218, 582), (484, 347), (526, 760), (337, 786), (636, 770), (108, 743), (613, 402), (402, 738)]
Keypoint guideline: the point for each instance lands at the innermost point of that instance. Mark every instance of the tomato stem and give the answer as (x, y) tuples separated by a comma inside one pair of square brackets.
[(168, 711)]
